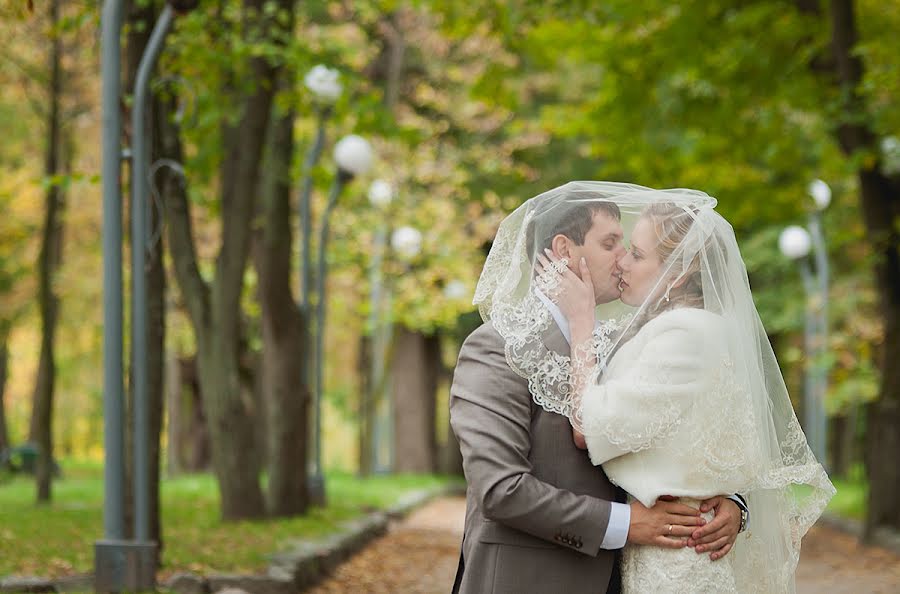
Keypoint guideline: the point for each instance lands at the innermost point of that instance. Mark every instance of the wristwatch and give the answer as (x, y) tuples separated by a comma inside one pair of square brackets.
[(745, 516)]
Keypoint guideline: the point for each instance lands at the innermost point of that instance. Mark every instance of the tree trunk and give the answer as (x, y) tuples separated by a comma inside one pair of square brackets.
[(367, 397), (880, 199), (189, 436), (4, 368), (156, 344), (231, 423), (49, 263), (414, 389), (840, 445), (174, 415), (215, 311), (286, 397)]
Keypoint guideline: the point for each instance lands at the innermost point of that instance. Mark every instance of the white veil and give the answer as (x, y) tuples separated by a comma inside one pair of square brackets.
[(511, 295), (785, 487)]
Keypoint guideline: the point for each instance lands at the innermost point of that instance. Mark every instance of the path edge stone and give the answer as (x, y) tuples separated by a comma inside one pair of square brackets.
[(303, 563)]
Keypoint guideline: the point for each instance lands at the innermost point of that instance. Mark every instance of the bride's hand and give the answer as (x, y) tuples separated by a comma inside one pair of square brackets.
[(573, 293)]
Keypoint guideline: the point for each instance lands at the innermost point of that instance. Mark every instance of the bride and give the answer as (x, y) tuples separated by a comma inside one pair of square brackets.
[(683, 397)]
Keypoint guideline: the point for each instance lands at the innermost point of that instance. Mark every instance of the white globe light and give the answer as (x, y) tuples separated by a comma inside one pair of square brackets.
[(794, 242), (820, 192), (890, 155), (455, 289), (353, 154), (407, 241), (324, 83), (380, 193)]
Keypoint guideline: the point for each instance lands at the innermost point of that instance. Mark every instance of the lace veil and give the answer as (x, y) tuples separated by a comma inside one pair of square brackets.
[(702, 268)]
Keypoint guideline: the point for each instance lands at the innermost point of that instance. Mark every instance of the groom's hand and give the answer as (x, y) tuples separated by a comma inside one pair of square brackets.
[(666, 524), (719, 535)]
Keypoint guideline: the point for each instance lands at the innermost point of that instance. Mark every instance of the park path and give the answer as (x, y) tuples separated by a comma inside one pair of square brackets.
[(419, 556)]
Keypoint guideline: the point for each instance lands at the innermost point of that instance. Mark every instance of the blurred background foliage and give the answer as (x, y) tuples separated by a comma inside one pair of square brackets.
[(497, 101)]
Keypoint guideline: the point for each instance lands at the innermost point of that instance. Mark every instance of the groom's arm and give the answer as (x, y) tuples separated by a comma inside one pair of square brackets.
[(490, 412)]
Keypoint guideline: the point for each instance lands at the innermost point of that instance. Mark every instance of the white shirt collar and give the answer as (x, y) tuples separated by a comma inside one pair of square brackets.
[(557, 314)]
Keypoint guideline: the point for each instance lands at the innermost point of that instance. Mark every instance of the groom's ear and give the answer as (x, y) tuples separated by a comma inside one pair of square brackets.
[(561, 246)]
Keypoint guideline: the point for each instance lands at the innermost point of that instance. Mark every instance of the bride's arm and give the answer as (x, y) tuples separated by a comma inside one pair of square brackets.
[(650, 393)]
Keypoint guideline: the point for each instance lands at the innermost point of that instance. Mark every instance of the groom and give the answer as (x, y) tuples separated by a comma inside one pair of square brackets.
[(539, 516)]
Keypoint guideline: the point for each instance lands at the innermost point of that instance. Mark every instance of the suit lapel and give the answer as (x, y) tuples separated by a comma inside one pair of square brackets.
[(554, 340)]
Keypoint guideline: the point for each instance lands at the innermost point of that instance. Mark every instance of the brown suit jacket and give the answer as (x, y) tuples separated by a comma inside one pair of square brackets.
[(536, 508)]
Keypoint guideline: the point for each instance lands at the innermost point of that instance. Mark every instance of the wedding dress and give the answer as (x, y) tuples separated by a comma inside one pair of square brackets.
[(669, 418)]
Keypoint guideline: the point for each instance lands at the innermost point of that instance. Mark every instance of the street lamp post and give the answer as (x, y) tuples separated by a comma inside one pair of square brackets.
[(821, 195), (325, 87), (406, 242), (381, 194), (353, 155), (119, 564), (796, 243)]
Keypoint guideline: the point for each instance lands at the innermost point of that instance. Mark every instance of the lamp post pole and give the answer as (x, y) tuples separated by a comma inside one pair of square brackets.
[(797, 243), (121, 565), (353, 155), (372, 433), (325, 86), (139, 240), (821, 195), (113, 383), (406, 244)]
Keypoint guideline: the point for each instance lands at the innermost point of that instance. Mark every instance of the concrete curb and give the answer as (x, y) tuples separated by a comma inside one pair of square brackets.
[(304, 563), (883, 537)]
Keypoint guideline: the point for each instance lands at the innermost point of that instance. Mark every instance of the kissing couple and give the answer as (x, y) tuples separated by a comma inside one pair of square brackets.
[(623, 421)]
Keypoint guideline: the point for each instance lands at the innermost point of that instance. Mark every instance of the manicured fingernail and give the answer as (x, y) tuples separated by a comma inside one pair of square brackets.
[(547, 251)]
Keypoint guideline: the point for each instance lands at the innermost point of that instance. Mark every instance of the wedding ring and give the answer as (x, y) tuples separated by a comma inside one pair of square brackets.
[(670, 529), (560, 265)]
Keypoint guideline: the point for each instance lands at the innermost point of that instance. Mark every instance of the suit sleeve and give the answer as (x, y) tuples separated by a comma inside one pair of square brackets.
[(490, 413)]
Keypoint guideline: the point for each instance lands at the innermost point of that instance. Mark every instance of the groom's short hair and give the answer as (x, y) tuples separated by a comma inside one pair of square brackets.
[(572, 216)]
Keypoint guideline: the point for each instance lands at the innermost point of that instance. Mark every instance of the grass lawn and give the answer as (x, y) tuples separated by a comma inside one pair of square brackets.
[(850, 499), (58, 539)]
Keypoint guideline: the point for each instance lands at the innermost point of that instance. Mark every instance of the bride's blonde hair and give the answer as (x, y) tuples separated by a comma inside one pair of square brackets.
[(672, 224)]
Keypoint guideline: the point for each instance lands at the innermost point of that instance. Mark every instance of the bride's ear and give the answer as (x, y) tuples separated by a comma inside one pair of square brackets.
[(561, 246)]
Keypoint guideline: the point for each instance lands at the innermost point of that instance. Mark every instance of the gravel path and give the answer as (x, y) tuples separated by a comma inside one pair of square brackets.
[(419, 556), (835, 562)]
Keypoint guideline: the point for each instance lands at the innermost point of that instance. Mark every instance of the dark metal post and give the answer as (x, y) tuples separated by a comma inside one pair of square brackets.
[(373, 398), (810, 414), (113, 385), (315, 481), (821, 365), (318, 478), (109, 554), (139, 238)]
